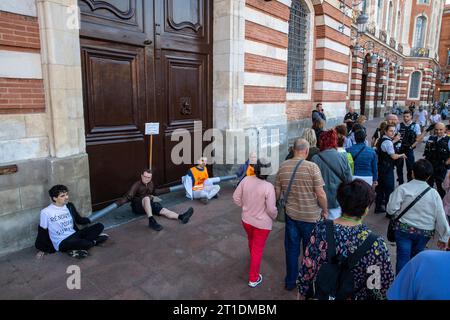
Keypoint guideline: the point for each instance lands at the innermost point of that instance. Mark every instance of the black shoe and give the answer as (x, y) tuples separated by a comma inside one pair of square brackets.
[(79, 254), (101, 238), (204, 200), (152, 224), (186, 216), (216, 196)]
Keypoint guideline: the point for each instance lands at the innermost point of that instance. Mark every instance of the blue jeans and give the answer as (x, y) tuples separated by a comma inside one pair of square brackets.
[(295, 232), (408, 245)]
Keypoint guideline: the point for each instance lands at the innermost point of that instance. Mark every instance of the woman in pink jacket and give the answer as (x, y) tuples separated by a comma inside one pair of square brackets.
[(256, 196), (446, 200)]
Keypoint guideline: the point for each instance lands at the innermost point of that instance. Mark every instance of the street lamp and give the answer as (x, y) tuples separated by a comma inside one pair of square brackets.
[(361, 23)]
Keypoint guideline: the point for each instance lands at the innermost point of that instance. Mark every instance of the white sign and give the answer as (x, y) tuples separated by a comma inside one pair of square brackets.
[(152, 128)]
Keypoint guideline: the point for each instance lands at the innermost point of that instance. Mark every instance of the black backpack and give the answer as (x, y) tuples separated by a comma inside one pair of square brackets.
[(335, 281)]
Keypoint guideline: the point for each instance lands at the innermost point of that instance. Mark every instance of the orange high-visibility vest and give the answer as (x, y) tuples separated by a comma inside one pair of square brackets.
[(250, 171), (199, 177)]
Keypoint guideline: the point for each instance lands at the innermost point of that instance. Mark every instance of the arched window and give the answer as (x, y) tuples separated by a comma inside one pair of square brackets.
[(399, 27), (379, 12), (298, 47), (389, 19), (419, 33), (414, 85)]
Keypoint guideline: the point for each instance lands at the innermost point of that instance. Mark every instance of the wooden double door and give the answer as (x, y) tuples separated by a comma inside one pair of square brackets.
[(142, 61)]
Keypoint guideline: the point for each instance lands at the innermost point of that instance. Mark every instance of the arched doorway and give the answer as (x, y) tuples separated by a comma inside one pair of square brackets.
[(363, 92)]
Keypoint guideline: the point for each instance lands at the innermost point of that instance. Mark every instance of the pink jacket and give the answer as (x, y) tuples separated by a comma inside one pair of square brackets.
[(257, 199), (446, 187)]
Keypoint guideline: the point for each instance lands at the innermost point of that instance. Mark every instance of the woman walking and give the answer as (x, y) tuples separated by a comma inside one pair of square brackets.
[(257, 198)]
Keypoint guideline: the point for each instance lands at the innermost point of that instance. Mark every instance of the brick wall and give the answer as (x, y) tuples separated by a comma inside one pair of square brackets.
[(21, 96), (21, 89)]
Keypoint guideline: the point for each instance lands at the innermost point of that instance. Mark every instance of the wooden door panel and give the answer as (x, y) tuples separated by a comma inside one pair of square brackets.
[(113, 98)]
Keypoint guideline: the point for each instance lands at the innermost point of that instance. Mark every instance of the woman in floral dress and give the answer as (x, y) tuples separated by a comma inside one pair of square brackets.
[(355, 199)]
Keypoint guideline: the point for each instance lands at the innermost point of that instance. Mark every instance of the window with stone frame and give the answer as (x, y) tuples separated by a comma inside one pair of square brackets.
[(414, 85), (423, 1), (448, 57), (419, 33), (298, 47)]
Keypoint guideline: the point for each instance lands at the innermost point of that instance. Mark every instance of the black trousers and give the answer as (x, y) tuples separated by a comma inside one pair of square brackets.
[(399, 163), (438, 179), (82, 239)]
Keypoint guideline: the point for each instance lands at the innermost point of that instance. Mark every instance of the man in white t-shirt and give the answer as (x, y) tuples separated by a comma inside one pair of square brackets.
[(58, 221)]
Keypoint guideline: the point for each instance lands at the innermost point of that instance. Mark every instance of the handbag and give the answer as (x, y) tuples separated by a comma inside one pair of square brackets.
[(391, 226), (281, 203)]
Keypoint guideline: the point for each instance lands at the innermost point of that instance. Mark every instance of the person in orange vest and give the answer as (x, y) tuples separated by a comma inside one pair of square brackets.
[(202, 187), (247, 168)]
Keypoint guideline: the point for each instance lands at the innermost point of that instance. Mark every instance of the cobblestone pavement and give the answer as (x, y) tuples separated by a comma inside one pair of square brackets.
[(204, 259)]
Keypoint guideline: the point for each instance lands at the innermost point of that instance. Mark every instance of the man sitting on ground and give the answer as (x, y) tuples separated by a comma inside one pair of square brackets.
[(197, 183), (58, 230), (144, 202)]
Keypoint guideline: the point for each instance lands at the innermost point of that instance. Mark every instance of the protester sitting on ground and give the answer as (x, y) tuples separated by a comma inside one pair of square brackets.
[(310, 136), (305, 204), (318, 126), (58, 230), (256, 196), (348, 234), (335, 169), (197, 183), (143, 201), (341, 131), (424, 277), (365, 160), (247, 169), (418, 224)]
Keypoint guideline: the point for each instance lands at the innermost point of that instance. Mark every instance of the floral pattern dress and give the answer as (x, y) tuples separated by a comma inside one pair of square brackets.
[(347, 240)]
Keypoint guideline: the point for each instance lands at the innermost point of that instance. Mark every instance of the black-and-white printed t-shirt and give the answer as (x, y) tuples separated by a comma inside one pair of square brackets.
[(59, 223)]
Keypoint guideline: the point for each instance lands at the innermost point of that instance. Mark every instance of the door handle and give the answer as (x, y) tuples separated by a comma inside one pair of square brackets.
[(148, 42)]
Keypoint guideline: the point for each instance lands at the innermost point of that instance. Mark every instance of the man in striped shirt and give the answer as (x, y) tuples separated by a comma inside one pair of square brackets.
[(305, 205)]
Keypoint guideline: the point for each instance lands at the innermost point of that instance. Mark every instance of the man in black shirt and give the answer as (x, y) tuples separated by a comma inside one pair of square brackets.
[(350, 119)]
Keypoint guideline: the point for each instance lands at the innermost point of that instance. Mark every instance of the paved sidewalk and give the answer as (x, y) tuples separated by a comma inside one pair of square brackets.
[(204, 259)]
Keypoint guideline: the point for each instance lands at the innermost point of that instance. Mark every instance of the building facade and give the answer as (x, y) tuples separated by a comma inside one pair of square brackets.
[(443, 88), (77, 90)]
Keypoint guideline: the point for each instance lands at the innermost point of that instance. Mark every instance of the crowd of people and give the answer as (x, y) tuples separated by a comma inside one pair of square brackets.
[(325, 188), (322, 192)]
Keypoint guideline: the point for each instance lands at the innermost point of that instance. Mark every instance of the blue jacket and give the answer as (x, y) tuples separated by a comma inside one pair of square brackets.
[(242, 171), (366, 165)]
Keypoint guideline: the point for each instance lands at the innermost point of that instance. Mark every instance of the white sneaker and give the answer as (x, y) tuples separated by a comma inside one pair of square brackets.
[(255, 283)]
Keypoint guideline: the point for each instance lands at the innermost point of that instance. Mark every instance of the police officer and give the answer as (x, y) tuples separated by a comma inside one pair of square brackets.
[(437, 151), (409, 132), (386, 158)]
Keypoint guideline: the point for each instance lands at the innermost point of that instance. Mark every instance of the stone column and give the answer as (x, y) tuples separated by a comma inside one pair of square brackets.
[(382, 82), (391, 89), (355, 86), (370, 95), (61, 65)]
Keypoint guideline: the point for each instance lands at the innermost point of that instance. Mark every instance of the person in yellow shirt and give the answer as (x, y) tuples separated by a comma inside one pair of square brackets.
[(247, 168), (202, 187)]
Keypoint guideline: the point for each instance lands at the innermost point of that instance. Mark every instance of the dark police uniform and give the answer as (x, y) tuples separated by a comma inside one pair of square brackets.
[(386, 180), (437, 151), (407, 138)]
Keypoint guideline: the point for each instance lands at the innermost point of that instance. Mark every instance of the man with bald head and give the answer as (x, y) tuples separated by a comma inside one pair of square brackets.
[(437, 151), (305, 204)]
